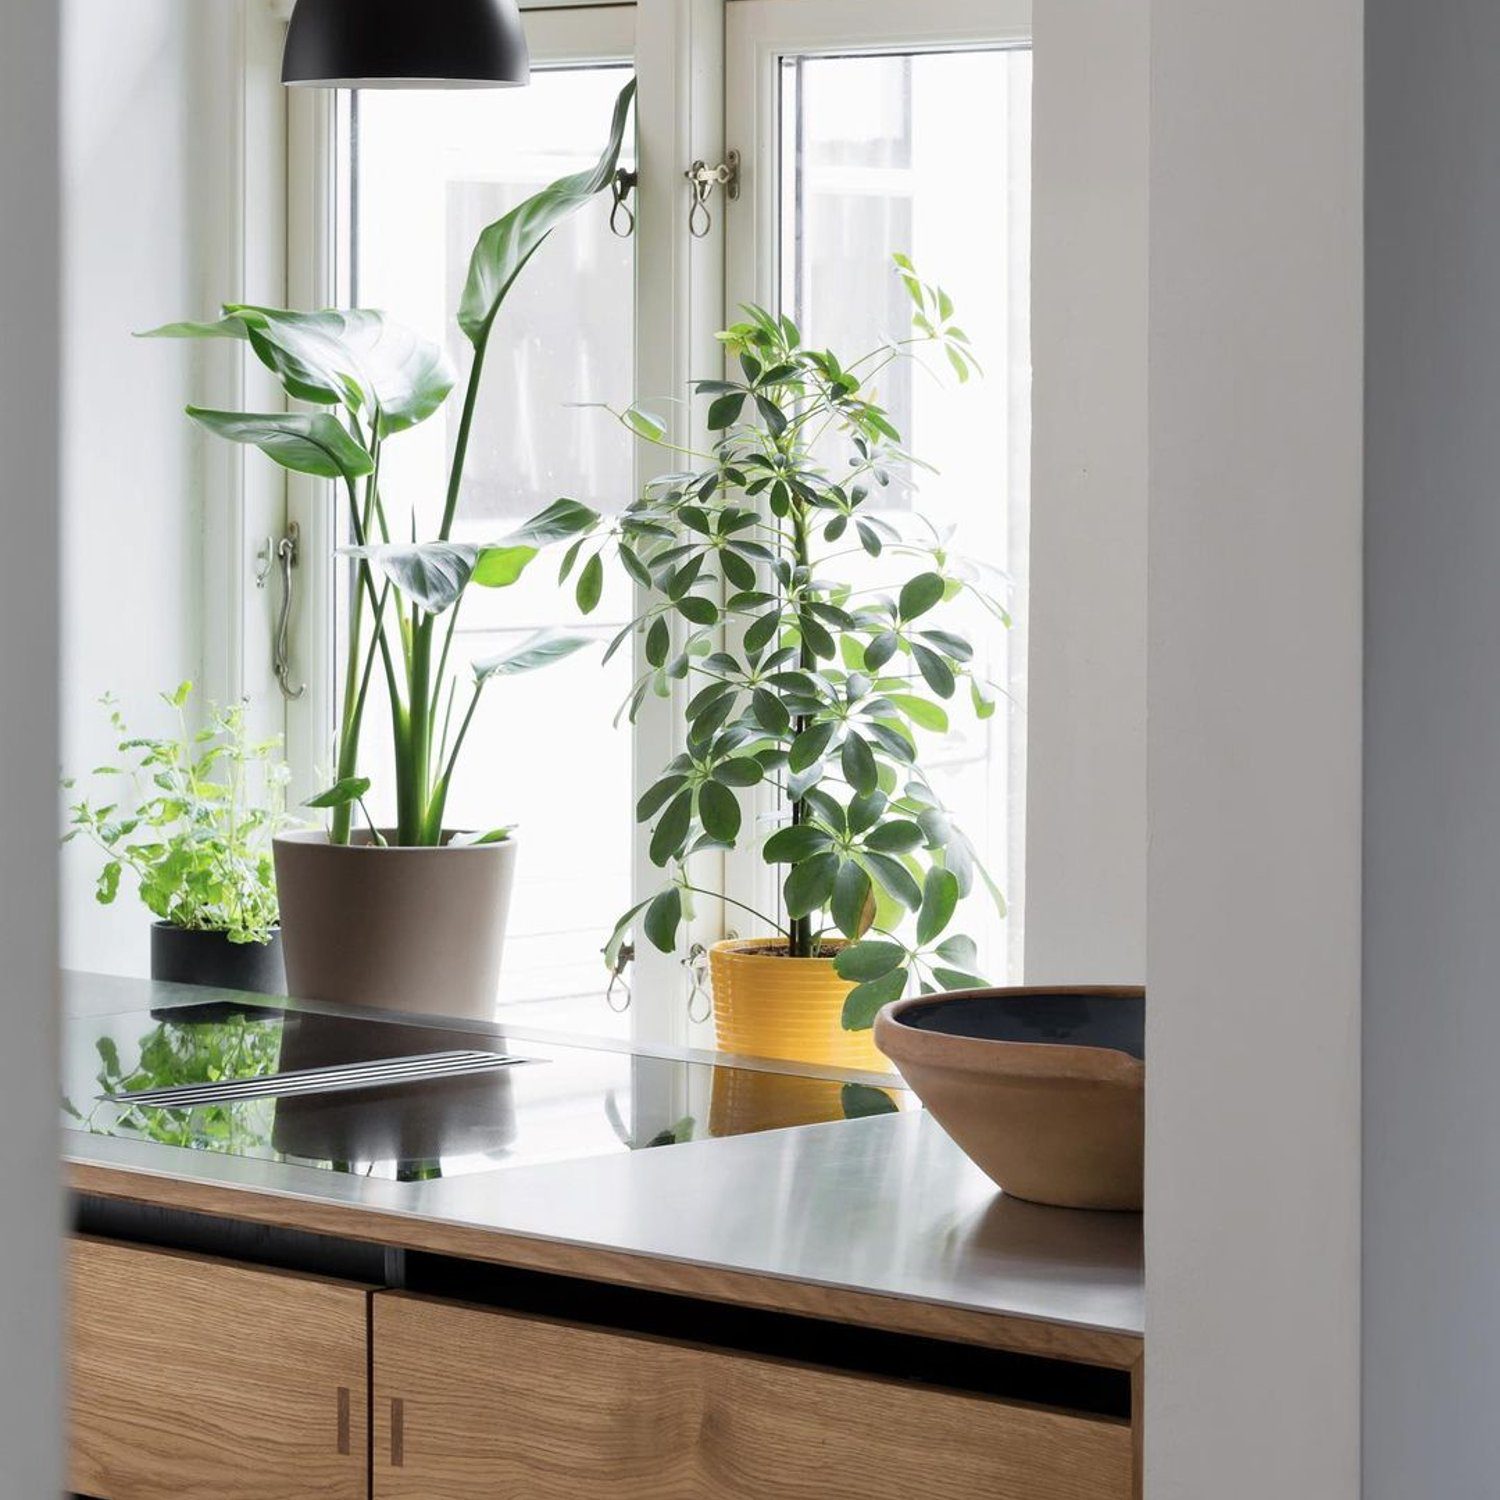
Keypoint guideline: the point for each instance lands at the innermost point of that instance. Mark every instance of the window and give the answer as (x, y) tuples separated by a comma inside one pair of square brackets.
[(857, 124)]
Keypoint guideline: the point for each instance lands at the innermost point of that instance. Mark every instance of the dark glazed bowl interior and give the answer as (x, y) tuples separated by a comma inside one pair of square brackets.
[(1056, 1018)]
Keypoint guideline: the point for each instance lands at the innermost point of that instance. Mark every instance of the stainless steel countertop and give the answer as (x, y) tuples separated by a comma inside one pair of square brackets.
[(886, 1205)]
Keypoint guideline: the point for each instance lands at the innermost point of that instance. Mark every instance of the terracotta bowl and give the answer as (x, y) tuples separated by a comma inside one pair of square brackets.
[(1043, 1088)]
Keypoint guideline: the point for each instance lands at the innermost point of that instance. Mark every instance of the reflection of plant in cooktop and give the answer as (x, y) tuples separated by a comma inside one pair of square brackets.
[(172, 1054)]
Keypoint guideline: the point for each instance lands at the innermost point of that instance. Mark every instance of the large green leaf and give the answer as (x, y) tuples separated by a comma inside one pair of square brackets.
[(341, 793), (539, 650), (432, 574), (504, 248), (560, 520), (358, 359), (314, 444)]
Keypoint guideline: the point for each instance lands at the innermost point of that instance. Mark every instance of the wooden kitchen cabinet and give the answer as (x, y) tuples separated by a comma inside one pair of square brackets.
[(479, 1404), (194, 1378)]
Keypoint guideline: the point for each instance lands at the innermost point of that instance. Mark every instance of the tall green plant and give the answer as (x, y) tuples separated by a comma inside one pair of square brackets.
[(804, 678), (375, 380)]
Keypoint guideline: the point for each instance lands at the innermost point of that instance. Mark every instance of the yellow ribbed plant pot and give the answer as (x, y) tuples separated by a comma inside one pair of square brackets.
[(768, 1005)]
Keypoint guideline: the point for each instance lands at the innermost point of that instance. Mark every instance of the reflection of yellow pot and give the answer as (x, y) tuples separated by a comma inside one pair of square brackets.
[(745, 1101), (768, 1005)]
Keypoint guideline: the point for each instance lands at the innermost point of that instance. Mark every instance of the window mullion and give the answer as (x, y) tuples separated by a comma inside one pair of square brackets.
[(679, 305)]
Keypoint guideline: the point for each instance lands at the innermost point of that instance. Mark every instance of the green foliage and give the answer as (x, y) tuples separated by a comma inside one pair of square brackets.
[(190, 815), (797, 676), (374, 380)]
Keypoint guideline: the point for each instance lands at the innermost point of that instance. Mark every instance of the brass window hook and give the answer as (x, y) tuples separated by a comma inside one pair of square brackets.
[(703, 179)]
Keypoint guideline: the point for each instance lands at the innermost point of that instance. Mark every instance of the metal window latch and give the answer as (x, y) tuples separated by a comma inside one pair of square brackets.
[(283, 552), (621, 213), (703, 179)]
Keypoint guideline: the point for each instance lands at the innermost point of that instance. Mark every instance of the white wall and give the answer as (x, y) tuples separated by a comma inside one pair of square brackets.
[(1252, 1195), (30, 1441), (149, 99), (1432, 752), (1086, 669)]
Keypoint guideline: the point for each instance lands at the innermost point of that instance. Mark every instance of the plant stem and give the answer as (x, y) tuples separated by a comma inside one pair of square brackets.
[(801, 939), (432, 828), (354, 696), (418, 757), (461, 442)]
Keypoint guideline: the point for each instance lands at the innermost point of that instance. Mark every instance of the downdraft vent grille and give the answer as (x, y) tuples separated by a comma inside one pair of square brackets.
[(337, 1078)]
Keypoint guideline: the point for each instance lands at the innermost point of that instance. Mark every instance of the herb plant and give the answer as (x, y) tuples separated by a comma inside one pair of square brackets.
[(371, 380), (190, 817), (803, 679)]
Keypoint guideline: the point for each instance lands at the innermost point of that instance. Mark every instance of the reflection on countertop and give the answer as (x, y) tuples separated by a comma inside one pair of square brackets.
[(882, 1204)]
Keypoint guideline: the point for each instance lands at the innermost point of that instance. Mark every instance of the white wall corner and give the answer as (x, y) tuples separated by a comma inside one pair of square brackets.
[(1086, 670), (1255, 746)]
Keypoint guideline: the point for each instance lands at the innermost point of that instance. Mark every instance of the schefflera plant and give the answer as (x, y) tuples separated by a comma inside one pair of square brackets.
[(370, 380), (801, 677)]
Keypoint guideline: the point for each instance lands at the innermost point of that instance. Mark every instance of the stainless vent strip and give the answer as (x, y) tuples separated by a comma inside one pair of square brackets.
[(335, 1078)]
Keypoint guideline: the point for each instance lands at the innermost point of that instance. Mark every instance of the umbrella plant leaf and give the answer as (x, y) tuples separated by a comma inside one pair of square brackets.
[(788, 846), (865, 1001), (719, 810), (868, 960), (939, 899), (663, 916), (810, 884), (851, 907)]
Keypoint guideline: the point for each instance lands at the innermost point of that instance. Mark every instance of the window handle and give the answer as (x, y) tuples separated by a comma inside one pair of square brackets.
[(286, 555)]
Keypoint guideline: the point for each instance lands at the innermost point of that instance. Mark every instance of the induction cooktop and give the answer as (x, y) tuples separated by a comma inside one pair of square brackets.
[(414, 1100)]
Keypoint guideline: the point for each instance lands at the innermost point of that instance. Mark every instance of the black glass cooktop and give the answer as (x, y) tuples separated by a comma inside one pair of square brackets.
[(411, 1101)]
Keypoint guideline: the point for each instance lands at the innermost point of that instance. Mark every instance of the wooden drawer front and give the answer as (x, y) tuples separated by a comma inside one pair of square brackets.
[(202, 1378), (482, 1404)]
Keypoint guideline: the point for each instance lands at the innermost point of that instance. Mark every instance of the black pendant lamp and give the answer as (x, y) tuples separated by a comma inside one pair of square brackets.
[(405, 44)]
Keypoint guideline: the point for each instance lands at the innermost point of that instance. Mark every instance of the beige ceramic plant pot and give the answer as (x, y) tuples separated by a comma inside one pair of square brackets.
[(418, 930), (769, 1005)]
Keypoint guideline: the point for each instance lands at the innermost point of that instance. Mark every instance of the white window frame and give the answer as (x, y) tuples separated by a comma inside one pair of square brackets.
[(684, 288)]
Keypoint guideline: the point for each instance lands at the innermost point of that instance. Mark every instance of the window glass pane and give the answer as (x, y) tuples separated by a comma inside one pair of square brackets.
[(929, 154), (431, 170)]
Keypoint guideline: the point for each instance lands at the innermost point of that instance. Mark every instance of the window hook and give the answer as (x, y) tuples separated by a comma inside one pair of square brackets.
[(624, 184), (703, 179), (617, 980), (699, 987)]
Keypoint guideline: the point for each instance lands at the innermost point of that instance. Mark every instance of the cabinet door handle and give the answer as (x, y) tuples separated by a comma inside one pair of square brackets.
[(398, 1432), (344, 1419)]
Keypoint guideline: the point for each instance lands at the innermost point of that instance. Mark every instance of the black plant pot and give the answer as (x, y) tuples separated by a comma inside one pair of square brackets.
[(179, 956)]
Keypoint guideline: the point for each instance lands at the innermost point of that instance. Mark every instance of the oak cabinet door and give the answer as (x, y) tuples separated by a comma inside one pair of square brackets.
[(474, 1404), (194, 1378)]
